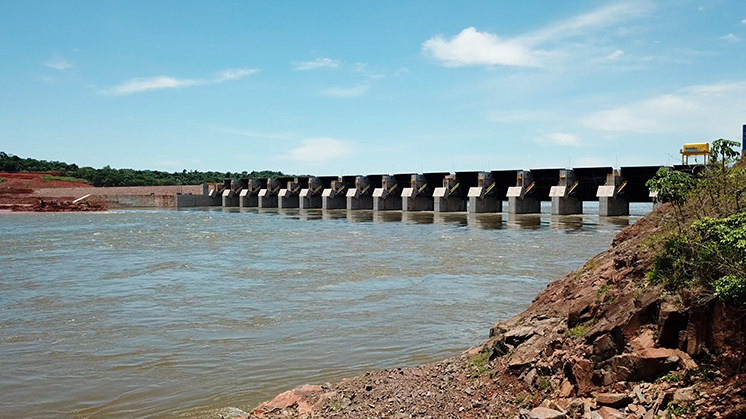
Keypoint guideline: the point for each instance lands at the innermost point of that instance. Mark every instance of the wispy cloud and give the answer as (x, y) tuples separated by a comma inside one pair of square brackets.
[(474, 48), (615, 55), (509, 117), (346, 92), (144, 84), (58, 63), (253, 134), (730, 38), (322, 62), (232, 74), (320, 150), (559, 138), (692, 109)]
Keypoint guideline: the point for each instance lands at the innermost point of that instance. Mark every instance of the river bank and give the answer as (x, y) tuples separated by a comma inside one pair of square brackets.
[(48, 192), (600, 342)]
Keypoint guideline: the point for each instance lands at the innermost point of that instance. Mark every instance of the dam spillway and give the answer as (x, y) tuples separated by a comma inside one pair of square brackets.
[(464, 191)]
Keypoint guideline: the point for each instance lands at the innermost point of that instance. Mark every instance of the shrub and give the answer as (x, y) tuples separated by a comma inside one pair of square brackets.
[(731, 288)]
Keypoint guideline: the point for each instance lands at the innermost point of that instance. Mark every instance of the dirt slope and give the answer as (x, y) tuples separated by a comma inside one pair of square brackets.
[(17, 193)]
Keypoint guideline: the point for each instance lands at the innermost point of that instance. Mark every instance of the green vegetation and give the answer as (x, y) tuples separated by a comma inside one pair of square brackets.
[(523, 397), (2, 180), (603, 294), (479, 364), (705, 254), (65, 178), (669, 378), (676, 410), (107, 176), (578, 331)]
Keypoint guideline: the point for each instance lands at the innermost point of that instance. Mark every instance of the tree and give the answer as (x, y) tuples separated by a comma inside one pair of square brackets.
[(722, 152), (672, 186)]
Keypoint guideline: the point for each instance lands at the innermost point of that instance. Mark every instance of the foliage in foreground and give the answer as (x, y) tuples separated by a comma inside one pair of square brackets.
[(706, 250), (107, 176)]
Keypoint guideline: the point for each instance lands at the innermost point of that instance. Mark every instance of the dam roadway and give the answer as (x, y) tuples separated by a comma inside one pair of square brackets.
[(473, 192)]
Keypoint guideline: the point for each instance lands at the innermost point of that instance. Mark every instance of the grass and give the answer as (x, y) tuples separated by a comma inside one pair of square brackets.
[(479, 364), (578, 331), (675, 410), (603, 294), (65, 178), (669, 378), (2, 180), (522, 397)]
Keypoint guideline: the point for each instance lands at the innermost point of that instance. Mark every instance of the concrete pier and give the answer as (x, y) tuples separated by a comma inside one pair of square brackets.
[(611, 198), (419, 195), (233, 190), (268, 197), (249, 197), (335, 197), (361, 196), (565, 199), (522, 198), (483, 197), (310, 197), (388, 196), (289, 196), (452, 196)]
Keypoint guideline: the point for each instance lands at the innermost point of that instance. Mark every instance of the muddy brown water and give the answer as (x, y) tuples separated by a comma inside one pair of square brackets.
[(178, 313)]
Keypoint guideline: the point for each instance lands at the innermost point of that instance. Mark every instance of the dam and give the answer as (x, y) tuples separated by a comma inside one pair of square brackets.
[(465, 191)]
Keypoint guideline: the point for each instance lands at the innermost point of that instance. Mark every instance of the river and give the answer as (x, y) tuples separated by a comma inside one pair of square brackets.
[(163, 313)]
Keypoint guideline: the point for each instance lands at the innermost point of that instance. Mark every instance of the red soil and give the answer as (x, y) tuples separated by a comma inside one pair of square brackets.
[(17, 190)]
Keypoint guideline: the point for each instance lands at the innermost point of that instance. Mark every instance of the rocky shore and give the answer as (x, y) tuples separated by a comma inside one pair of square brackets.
[(599, 343)]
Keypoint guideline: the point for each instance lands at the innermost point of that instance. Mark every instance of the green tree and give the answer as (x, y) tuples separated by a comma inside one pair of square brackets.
[(672, 186)]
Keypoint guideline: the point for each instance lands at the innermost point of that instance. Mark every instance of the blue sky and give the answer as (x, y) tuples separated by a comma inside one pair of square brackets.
[(352, 87)]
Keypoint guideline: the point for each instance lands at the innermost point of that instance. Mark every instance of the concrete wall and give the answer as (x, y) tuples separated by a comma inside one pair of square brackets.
[(135, 196)]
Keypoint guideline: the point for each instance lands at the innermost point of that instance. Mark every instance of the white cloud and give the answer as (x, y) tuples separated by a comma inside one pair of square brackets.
[(323, 62), (58, 63), (319, 150), (233, 74), (472, 47), (743, 21), (708, 108), (345, 92), (137, 85), (560, 138), (615, 55), (144, 84), (730, 38)]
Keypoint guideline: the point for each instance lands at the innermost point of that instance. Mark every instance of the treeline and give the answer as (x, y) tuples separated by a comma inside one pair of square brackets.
[(107, 176)]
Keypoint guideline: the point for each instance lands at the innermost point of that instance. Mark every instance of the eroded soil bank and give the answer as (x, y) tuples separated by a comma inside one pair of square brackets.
[(598, 343), (18, 193)]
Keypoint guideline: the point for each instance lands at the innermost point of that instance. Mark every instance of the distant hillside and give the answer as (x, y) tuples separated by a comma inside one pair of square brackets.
[(107, 176)]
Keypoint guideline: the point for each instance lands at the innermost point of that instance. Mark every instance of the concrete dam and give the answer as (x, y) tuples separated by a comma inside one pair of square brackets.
[(473, 192)]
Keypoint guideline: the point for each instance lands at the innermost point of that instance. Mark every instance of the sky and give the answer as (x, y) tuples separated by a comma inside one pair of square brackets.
[(369, 87)]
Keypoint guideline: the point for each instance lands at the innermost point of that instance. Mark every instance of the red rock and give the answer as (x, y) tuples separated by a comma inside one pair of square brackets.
[(566, 388), (613, 399), (582, 372), (607, 412), (649, 362), (543, 413), (292, 398), (645, 340)]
